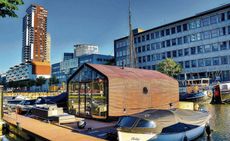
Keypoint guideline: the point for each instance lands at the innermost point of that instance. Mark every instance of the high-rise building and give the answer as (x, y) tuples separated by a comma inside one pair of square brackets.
[(35, 35), (84, 49), (48, 47), (200, 43)]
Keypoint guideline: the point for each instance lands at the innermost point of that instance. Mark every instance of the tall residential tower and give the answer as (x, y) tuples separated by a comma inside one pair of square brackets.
[(35, 35)]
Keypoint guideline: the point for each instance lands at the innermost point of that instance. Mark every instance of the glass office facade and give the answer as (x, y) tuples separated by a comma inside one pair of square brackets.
[(88, 93), (201, 44)]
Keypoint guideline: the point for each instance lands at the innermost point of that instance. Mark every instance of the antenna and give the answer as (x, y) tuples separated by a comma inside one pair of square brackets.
[(131, 49)]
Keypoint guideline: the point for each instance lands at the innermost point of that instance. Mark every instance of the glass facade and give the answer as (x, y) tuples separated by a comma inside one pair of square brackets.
[(88, 94)]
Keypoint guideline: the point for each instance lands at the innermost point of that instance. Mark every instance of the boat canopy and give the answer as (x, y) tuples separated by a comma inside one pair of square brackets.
[(168, 121)]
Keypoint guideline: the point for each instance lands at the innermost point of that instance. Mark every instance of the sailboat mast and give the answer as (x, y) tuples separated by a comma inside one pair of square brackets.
[(132, 53)]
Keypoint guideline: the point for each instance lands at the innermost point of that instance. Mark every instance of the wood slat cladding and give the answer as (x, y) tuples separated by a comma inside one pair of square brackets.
[(125, 92), (41, 68)]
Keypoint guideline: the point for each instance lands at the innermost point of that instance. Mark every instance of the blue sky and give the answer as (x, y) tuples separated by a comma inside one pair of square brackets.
[(93, 21)]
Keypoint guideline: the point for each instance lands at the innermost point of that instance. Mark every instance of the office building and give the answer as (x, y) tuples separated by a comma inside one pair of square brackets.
[(83, 49), (68, 56), (200, 43)]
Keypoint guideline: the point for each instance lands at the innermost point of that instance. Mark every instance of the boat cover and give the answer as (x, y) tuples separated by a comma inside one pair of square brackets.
[(175, 120)]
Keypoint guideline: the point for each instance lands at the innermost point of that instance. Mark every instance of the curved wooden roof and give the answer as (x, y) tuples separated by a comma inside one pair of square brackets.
[(129, 73)]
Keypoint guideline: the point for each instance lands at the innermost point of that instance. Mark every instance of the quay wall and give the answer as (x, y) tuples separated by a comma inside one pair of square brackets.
[(31, 95)]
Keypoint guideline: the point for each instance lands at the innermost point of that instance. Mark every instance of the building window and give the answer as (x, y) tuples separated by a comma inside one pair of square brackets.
[(158, 56), (215, 47), (222, 16), (215, 60), (168, 43), (173, 30), (148, 58), (135, 40), (173, 42), (180, 52), (169, 54), (139, 39), (154, 57), (178, 28), (139, 49), (143, 38), (153, 67), (163, 44), (200, 63), (208, 62), (148, 47), (206, 35), (214, 19), (186, 51), (222, 31), (153, 46), (223, 46), (224, 60), (152, 35), (144, 59), (193, 37), (158, 45), (193, 63), (205, 21), (162, 33), (193, 50), (143, 48), (182, 64), (157, 34), (174, 53), (163, 55), (186, 40), (185, 27), (187, 64), (147, 37), (207, 48), (228, 15), (167, 32), (215, 33), (179, 40)]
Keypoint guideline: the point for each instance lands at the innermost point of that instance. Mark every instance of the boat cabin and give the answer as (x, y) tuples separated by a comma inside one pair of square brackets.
[(102, 91)]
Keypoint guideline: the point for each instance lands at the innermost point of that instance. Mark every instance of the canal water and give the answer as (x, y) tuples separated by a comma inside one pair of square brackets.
[(220, 122)]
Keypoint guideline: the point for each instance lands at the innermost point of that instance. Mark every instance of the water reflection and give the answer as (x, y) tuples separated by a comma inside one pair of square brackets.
[(219, 122)]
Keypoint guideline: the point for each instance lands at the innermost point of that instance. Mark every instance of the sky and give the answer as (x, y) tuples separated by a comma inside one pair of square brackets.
[(97, 22)]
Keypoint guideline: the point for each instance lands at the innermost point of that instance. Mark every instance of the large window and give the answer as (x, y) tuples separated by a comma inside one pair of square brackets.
[(157, 34), (214, 19), (208, 62), (223, 46), (186, 39), (169, 54), (207, 48), (215, 47), (193, 63), (216, 60), (178, 28), (163, 56), (185, 27), (180, 52), (174, 42), (200, 49), (200, 63), (162, 44), (224, 60), (187, 64), (174, 53), (167, 32), (88, 94), (193, 50), (168, 43), (205, 21), (186, 51), (206, 35), (162, 33), (173, 30), (179, 40), (215, 33), (143, 49)]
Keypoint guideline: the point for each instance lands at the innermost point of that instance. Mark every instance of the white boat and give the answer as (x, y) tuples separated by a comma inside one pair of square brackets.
[(163, 125)]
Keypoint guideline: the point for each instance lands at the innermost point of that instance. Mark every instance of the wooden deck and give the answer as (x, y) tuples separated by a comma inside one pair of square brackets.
[(46, 130)]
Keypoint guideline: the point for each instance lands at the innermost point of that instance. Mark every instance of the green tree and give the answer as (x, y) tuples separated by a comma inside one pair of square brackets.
[(40, 81), (169, 67), (8, 7), (53, 80)]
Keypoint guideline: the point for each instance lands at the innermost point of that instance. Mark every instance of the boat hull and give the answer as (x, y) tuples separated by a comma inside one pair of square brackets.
[(190, 134)]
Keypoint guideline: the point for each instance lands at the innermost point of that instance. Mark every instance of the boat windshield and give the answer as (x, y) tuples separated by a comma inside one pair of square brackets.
[(127, 122), (146, 124)]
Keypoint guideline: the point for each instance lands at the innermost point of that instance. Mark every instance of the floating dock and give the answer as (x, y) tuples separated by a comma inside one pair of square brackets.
[(45, 131)]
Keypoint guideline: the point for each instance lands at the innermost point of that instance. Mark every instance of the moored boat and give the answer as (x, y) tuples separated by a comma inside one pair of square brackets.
[(194, 90), (163, 125)]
